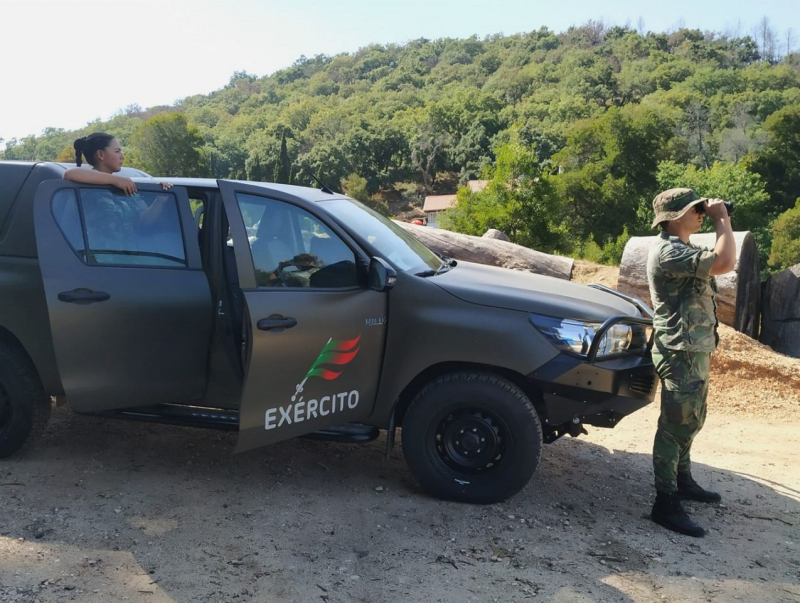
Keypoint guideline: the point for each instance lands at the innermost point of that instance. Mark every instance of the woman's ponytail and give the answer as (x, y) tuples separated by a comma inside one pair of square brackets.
[(78, 146)]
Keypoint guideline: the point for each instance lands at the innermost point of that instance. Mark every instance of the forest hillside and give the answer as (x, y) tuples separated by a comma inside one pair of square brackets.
[(576, 131)]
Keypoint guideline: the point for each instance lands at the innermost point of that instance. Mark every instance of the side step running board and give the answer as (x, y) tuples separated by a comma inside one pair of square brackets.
[(350, 433), (221, 418), (178, 414)]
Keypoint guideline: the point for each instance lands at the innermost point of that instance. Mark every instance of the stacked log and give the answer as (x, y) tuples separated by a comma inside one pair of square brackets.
[(494, 252), (739, 297), (780, 321)]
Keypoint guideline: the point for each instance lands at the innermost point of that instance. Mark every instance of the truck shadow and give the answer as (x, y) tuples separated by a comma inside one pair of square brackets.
[(110, 509)]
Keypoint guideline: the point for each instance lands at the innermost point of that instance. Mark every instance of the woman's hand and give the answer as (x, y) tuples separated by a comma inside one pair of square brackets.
[(125, 184), (166, 185)]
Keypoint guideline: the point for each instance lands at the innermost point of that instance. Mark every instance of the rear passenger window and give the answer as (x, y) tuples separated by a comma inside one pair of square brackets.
[(110, 229), (68, 218)]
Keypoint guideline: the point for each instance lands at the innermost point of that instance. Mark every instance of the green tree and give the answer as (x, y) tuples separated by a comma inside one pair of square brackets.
[(427, 150), (167, 145), (356, 187), (66, 155), (21, 150), (779, 163), (608, 170), (518, 200), (283, 168), (786, 239), (696, 128)]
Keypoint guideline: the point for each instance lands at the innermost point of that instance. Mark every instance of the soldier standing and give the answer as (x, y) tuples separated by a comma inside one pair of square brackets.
[(682, 290)]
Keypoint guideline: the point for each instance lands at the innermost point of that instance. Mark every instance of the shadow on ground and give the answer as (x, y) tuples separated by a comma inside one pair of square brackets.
[(104, 510)]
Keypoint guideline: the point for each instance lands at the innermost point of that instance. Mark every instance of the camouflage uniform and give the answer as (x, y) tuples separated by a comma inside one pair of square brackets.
[(682, 293)]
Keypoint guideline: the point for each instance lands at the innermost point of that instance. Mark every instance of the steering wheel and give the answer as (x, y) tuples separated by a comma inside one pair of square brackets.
[(303, 262)]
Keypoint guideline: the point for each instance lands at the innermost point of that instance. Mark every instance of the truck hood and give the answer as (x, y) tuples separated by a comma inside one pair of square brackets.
[(528, 292)]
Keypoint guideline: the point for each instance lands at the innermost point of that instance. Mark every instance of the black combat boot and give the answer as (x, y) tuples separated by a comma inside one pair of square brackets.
[(667, 512), (689, 490)]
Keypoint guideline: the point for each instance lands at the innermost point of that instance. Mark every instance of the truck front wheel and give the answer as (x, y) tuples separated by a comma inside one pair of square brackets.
[(472, 437), (24, 407)]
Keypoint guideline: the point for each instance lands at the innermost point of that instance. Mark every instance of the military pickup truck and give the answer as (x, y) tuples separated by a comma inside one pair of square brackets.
[(282, 311)]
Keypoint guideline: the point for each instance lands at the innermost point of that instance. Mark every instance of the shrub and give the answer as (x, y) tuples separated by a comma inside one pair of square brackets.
[(785, 250)]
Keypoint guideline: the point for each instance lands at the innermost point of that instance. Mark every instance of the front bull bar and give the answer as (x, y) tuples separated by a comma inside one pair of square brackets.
[(613, 320)]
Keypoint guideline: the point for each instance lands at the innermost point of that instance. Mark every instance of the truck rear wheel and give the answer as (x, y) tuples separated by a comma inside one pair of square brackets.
[(472, 437), (24, 407)]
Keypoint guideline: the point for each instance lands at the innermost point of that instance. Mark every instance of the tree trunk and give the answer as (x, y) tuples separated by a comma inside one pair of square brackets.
[(490, 251), (780, 322), (739, 297)]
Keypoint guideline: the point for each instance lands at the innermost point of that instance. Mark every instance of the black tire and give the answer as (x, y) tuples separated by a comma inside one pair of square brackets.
[(501, 443), (24, 407)]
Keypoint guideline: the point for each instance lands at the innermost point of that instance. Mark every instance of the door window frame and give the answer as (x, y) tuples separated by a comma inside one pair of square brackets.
[(244, 260), (191, 252)]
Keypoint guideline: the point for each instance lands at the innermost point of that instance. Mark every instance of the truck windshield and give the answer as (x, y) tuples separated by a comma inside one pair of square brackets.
[(388, 239)]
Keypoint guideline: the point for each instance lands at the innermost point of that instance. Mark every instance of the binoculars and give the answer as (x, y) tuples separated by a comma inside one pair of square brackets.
[(701, 208)]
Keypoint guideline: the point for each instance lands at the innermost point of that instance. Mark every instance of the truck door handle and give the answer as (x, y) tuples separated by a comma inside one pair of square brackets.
[(276, 323), (83, 296)]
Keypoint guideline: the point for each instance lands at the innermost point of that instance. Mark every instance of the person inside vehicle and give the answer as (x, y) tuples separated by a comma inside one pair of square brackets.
[(104, 153), (113, 222)]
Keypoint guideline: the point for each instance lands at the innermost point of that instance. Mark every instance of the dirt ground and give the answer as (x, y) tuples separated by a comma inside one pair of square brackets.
[(589, 272), (104, 510)]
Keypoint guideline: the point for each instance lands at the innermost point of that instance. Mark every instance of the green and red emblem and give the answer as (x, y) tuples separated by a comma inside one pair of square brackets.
[(338, 352)]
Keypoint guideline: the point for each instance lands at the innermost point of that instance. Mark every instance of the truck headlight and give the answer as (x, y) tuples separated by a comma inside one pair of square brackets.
[(576, 336)]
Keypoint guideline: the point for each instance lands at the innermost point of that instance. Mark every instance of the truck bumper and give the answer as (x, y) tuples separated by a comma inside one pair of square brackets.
[(577, 392)]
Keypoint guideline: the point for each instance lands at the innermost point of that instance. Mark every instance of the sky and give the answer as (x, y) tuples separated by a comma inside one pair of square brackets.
[(66, 63)]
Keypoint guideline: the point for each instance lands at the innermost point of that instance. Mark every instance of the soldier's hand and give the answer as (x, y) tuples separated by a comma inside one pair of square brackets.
[(126, 184), (715, 209)]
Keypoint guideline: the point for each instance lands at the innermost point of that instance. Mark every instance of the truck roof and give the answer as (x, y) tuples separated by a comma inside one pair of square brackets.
[(128, 172), (302, 192)]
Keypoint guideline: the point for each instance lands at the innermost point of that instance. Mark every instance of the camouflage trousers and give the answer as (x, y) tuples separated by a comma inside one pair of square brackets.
[(684, 388)]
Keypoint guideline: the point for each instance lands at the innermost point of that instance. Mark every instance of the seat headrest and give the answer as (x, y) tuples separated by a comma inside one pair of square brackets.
[(270, 225)]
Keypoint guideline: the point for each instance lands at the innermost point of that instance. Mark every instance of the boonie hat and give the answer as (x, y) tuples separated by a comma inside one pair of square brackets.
[(672, 204)]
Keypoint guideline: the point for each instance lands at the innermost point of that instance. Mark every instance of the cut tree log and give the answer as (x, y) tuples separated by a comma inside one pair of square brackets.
[(490, 251), (780, 321), (739, 297)]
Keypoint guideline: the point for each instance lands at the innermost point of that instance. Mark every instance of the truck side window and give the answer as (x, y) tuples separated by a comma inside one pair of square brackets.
[(109, 229), (68, 218), (292, 248)]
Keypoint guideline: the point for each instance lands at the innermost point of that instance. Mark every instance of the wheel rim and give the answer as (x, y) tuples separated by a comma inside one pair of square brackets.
[(5, 409), (470, 440)]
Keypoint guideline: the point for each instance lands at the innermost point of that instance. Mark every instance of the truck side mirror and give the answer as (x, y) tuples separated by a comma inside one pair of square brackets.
[(382, 276)]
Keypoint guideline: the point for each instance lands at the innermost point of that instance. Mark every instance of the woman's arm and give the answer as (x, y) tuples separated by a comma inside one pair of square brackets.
[(94, 177)]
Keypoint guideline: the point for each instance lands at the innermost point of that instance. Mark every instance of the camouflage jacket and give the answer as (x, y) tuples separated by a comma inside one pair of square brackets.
[(683, 293)]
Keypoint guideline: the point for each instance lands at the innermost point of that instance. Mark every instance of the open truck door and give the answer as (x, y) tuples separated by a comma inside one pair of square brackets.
[(315, 332)]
